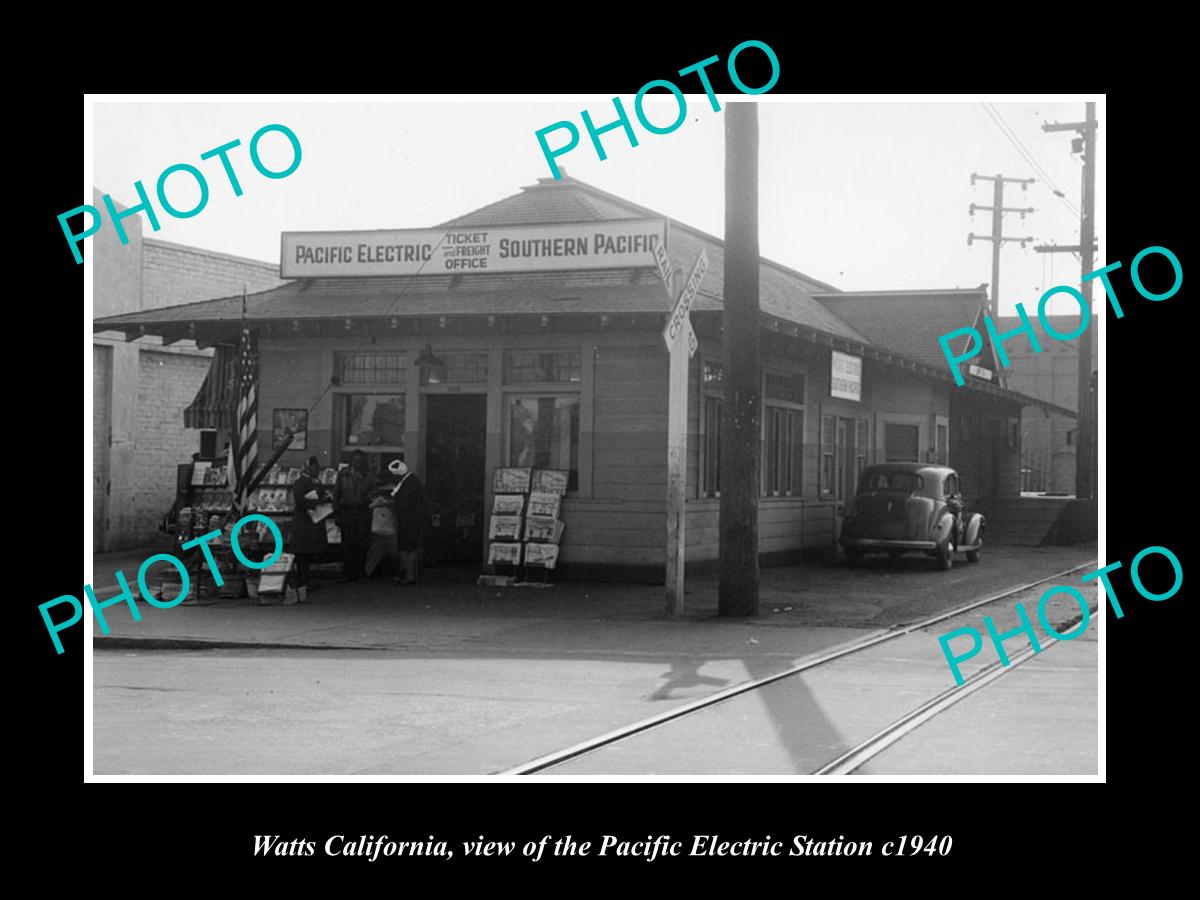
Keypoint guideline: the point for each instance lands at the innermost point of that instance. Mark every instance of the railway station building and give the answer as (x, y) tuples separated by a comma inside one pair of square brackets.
[(529, 333)]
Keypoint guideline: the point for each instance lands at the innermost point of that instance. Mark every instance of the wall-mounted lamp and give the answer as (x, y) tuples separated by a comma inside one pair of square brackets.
[(431, 368)]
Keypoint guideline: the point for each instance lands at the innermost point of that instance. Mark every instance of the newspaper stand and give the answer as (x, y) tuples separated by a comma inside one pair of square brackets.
[(510, 487), (525, 528), (543, 525)]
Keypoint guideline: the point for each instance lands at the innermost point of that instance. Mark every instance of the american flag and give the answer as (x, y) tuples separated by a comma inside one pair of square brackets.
[(245, 436)]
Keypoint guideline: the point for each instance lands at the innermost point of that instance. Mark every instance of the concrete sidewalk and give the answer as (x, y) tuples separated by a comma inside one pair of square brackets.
[(449, 614)]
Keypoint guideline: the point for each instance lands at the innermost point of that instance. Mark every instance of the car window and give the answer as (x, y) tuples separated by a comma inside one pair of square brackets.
[(891, 481), (951, 487)]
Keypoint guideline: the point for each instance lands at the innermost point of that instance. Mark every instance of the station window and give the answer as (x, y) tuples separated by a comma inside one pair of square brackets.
[(711, 385), (457, 368), (943, 444), (782, 464), (557, 367), (372, 420), (783, 438), (543, 433), (371, 368), (711, 486), (828, 452), (783, 388)]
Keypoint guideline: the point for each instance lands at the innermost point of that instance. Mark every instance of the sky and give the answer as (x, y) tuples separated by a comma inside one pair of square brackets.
[(861, 195)]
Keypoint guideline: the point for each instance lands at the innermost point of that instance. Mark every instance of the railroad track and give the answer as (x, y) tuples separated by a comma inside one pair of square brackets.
[(861, 753)]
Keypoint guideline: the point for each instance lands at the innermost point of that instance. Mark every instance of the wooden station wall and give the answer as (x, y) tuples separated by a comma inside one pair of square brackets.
[(615, 521)]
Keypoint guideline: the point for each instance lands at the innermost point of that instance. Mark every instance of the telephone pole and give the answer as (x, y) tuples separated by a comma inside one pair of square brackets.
[(1085, 458), (740, 420), (998, 209)]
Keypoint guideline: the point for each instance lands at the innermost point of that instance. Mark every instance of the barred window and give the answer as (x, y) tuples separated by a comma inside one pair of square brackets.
[(711, 485), (828, 452), (561, 366), (781, 469), (371, 368), (714, 373)]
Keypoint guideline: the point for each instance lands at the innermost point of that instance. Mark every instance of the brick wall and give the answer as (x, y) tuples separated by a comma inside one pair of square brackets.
[(173, 274), (167, 382), (142, 388), (101, 386)]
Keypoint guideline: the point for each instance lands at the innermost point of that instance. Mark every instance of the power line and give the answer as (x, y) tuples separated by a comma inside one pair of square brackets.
[(1020, 147), (1008, 131), (1029, 156)]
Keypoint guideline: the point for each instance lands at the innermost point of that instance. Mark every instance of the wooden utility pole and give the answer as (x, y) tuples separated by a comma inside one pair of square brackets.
[(998, 209), (741, 413), (1085, 457)]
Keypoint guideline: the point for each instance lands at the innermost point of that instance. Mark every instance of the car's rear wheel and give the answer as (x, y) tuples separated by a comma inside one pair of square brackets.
[(853, 557), (945, 556)]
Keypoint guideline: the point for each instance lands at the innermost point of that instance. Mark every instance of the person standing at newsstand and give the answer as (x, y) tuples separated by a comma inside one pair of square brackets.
[(409, 499), (351, 501), (308, 537)]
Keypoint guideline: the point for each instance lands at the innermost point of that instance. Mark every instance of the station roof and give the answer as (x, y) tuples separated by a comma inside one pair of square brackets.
[(784, 293), (897, 327), (910, 322)]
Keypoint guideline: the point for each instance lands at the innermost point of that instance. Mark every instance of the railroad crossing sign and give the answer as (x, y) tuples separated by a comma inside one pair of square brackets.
[(680, 322), (682, 344), (665, 272)]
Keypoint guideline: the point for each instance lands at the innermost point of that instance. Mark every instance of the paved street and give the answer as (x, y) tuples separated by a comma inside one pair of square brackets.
[(455, 679)]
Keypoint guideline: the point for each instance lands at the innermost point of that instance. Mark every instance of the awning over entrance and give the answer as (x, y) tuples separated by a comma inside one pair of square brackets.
[(214, 403)]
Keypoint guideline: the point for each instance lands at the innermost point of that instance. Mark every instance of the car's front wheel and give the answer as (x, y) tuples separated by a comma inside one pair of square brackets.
[(945, 556), (973, 556)]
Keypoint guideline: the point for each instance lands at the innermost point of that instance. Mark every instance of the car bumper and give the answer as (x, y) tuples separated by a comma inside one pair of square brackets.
[(851, 543)]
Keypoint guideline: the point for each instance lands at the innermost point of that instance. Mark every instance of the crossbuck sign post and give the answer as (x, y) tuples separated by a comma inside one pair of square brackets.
[(682, 345)]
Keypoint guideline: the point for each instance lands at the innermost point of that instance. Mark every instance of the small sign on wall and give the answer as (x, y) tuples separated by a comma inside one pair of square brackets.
[(845, 381), (293, 420)]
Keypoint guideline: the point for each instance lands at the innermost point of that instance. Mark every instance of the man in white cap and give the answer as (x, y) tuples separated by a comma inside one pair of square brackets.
[(408, 497)]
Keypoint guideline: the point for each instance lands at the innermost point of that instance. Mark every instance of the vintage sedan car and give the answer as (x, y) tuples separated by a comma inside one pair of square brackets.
[(911, 507)]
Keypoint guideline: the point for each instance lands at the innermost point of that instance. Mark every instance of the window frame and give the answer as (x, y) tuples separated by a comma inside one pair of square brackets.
[(341, 420), (507, 399), (782, 461), (711, 391), (339, 370), (862, 448), (566, 386), (545, 390)]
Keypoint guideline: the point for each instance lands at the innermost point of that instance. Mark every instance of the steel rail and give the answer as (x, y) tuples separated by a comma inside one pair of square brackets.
[(909, 722), (558, 757)]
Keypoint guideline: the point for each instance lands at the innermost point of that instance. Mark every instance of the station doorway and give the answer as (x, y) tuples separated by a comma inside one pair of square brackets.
[(455, 477)]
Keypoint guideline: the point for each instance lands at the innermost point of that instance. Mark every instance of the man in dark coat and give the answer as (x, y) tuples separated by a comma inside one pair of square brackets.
[(408, 497), (308, 537), (351, 502)]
